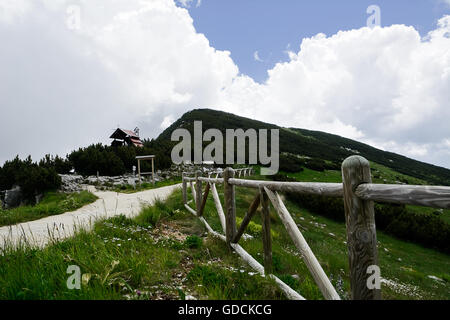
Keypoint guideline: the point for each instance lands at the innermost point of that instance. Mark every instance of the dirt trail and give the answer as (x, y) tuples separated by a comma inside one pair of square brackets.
[(109, 204)]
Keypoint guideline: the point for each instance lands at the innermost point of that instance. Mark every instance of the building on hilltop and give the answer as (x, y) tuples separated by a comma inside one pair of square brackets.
[(126, 137)]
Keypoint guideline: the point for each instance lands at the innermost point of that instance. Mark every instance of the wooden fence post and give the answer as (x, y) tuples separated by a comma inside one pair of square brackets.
[(184, 188), (266, 235), (198, 187), (361, 231), (230, 205), (204, 199)]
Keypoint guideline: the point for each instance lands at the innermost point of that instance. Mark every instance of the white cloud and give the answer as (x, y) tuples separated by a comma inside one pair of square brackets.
[(132, 63), (167, 121), (11, 10), (381, 84), (256, 57), (187, 3), (137, 62)]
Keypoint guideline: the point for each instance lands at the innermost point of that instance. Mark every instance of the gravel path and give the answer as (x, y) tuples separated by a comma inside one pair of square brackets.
[(110, 204)]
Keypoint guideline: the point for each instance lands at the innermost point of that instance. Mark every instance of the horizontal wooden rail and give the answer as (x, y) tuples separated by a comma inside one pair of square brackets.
[(317, 188), (211, 180), (358, 193), (429, 196)]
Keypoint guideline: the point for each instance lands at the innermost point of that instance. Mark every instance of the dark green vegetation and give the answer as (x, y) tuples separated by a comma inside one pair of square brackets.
[(300, 148), (405, 266), (164, 253), (426, 226), (316, 156), (96, 158), (313, 144), (33, 178), (113, 161), (53, 203)]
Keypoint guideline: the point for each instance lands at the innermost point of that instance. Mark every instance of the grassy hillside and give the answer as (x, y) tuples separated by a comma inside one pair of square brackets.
[(380, 174), (313, 144), (53, 203), (164, 253)]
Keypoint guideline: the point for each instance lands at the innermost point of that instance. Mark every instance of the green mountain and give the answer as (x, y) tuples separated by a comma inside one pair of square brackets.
[(314, 144)]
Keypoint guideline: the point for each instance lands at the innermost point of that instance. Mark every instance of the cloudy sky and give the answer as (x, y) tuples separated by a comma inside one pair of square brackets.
[(72, 71)]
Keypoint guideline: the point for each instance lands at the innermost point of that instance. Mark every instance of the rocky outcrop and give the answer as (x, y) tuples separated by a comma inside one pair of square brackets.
[(75, 183), (11, 198)]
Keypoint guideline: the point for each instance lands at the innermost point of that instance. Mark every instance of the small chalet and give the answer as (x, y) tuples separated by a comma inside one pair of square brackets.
[(126, 137)]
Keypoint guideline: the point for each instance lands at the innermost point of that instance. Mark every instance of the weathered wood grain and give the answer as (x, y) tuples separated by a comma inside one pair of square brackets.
[(194, 195), (198, 191), (184, 189), (212, 180), (190, 209), (230, 205), (210, 230), (317, 188), (321, 279), (266, 235), (247, 218), (360, 226), (204, 199), (429, 196), (218, 207)]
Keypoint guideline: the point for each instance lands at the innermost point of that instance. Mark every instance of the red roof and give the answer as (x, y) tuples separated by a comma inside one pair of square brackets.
[(126, 132), (137, 142), (130, 133)]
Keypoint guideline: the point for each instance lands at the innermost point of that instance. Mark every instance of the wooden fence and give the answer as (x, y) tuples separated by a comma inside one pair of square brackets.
[(358, 193)]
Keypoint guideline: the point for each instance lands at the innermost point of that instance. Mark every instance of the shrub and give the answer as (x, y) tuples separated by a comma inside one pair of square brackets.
[(254, 228), (291, 163), (396, 220), (60, 165), (193, 242), (97, 158), (33, 179), (153, 214)]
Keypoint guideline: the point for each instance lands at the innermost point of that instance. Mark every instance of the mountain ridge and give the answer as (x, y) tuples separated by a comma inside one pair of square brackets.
[(310, 143)]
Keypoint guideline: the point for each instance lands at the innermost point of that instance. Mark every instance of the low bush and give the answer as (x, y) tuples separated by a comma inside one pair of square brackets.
[(193, 242), (152, 215), (254, 228), (426, 229), (291, 163), (60, 165), (33, 178)]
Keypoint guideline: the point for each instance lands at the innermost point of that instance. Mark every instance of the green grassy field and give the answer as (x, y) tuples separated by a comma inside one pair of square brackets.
[(127, 188), (405, 266), (164, 253), (53, 203), (161, 254)]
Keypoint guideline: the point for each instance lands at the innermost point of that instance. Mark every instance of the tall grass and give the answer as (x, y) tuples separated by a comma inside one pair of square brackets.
[(123, 258), (53, 203)]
